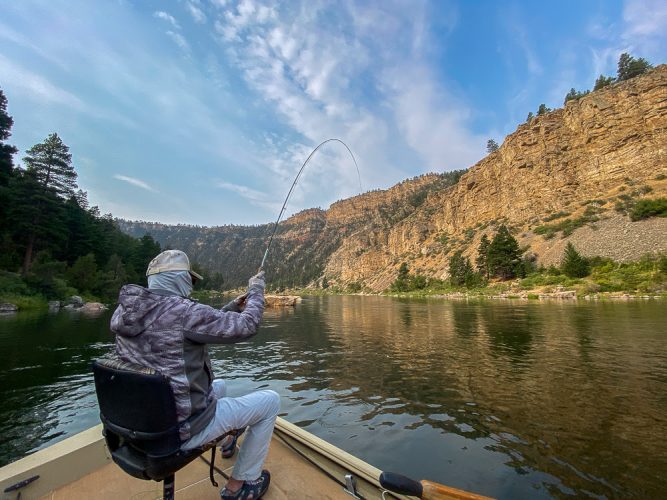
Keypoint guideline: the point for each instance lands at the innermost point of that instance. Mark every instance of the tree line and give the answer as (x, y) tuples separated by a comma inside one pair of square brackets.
[(52, 243), (499, 258)]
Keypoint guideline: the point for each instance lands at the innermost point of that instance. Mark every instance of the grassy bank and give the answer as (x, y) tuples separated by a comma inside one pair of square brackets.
[(25, 302), (647, 276)]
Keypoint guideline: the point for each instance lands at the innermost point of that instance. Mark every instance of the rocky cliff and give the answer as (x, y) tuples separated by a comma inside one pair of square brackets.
[(583, 164)]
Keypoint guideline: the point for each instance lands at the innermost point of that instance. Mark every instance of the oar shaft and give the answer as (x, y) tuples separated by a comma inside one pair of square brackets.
[(427, 490), (437, 491)]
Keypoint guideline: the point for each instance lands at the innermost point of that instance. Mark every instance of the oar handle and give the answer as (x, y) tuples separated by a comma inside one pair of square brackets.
[(401, 484), (428, 490)]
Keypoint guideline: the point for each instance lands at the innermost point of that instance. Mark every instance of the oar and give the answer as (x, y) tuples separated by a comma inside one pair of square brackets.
[(428, 490)]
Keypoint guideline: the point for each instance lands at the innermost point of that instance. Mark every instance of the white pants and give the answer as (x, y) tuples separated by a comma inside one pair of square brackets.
[(257, 411)]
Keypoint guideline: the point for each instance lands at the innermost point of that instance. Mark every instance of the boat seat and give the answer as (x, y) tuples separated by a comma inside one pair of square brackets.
[(140, 426)]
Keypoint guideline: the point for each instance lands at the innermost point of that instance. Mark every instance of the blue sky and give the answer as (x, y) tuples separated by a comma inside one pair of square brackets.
[(202, 111)]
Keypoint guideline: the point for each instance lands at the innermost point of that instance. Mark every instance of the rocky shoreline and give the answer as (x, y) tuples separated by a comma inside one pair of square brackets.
[(73, 304)]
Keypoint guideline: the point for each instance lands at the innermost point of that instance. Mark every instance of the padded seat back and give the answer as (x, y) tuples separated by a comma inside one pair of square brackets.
[(138, 413)]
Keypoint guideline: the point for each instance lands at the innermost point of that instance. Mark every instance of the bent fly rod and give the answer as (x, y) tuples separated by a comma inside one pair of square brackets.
[(291, 189)]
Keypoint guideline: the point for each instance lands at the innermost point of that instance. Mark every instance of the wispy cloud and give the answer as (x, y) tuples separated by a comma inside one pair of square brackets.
[(135, 182), (255, 197), (645, 27), (316, 75), (179, 40), (194, 8), (37, 86), (167, 17)]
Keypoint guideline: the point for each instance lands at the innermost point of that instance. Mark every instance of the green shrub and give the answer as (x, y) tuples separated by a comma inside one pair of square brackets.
[(11, 283), (25, 302), (644, 209), (557, 215)]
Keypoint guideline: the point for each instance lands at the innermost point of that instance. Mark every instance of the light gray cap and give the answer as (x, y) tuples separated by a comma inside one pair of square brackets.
[(171, 260)]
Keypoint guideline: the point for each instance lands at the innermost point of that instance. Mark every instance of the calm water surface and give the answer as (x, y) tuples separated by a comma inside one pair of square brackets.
[(509, 399)]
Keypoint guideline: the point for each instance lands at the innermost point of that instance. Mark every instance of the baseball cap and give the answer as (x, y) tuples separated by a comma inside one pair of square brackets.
[(171, 260)]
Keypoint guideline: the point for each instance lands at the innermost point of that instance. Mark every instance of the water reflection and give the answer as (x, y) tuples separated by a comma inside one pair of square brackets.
[(511, 399)]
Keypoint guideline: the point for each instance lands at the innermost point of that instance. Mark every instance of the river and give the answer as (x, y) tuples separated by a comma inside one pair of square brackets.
[(511, 399)]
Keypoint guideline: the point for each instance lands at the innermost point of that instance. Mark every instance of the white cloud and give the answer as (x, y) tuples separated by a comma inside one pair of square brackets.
[(167, 17), (196, 12), (645, 28), (244, 191), (432, 121), (315, 70), (135, 182), (179, 40), (255, 197), (36, 86)]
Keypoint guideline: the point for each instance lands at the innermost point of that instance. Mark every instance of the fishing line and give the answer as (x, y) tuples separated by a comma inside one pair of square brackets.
[(296, 179)]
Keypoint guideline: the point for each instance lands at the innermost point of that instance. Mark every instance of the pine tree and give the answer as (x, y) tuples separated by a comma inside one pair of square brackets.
[(51, 163), (483, 257), (504, 255), (6, 151), (602, 82), (629, 67), (457, 269), (573, 264), (529, 117), (574, 94), (491, 146), (6, 160), (543, 110), (37, 215)]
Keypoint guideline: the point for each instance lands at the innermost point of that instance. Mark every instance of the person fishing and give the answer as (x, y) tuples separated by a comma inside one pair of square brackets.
[(161, 328)]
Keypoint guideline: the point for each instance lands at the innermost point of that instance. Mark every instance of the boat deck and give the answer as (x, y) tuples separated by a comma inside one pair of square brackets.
[(302, 466), (291, 477)]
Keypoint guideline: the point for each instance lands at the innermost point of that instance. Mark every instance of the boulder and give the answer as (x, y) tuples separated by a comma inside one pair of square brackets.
[(54, 305), (93, 308), (282, 300), (75, 301), (6, 307)]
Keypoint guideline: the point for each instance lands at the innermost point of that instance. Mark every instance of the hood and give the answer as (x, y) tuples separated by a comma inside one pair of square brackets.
[(138, 308)]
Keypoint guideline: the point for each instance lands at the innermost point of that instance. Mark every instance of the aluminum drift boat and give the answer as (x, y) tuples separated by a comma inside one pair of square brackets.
[(302, 466)]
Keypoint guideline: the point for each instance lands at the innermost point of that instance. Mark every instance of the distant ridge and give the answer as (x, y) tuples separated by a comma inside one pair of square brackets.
[(580, 163)]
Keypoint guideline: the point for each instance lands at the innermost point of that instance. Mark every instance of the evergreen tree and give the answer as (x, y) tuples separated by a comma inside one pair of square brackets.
[(51, 163), (143, 254), (6, 151), (37, 216), (402, 281), (603, 81), (629, 67), (483, 257), (573, 264), (530, 116), (575, 94), (491, 146), (83, 274), (504, 255), (456, 269), (6, 159), (460, 270), (543, 110)]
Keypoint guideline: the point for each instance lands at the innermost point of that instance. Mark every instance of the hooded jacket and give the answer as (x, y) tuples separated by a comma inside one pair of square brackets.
[(169, 333)]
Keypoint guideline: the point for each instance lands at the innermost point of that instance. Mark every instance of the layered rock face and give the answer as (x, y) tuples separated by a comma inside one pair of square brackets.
[(594, 149), (569, 155)]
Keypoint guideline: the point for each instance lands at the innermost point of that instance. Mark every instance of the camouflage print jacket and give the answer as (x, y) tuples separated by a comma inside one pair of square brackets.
[(169, 333)]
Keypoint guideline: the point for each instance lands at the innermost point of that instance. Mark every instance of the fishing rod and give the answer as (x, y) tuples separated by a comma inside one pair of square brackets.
[(296, 179)]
